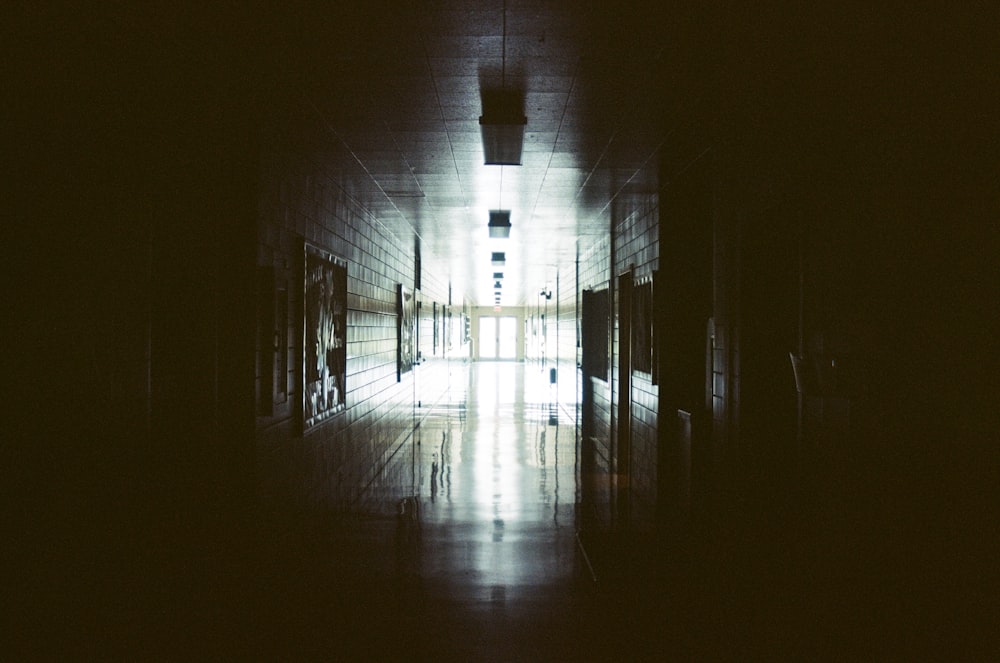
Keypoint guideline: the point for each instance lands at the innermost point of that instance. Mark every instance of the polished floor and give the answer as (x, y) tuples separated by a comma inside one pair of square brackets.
[(484, 541), (485, 538), (475, 549), (475, 556)]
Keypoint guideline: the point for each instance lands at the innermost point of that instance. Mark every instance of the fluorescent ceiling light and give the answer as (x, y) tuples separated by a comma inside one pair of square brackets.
[(499, 223), (502, 126)]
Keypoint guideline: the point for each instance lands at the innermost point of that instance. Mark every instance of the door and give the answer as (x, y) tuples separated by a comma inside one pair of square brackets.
[(507, 338), (487, 338), (624, 446), (497, 338)]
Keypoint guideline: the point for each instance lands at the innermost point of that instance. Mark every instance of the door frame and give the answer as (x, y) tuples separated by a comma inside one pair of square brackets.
[(623, 425)]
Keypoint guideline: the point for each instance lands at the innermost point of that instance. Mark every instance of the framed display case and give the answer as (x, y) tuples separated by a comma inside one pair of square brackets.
[(642, 327), (324, 336), (405, 317)]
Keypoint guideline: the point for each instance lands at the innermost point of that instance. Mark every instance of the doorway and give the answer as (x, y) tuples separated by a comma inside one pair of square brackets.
[(624, 420), (497, 338)]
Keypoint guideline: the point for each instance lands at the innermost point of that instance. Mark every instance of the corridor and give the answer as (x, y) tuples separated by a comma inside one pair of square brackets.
[(732, 256)]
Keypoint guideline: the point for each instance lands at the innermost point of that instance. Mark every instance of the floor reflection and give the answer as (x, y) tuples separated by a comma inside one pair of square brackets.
[(497, 489), (465, 548)]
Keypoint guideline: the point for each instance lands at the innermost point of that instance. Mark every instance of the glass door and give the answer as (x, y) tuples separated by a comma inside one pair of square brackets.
[(497, 338), (487, 338), (507, 339)]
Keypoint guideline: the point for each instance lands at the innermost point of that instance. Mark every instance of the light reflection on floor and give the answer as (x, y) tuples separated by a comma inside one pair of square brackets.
[(466, 547), (497, 490)]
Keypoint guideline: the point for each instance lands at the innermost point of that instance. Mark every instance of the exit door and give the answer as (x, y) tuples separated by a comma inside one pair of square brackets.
[(498, 338)]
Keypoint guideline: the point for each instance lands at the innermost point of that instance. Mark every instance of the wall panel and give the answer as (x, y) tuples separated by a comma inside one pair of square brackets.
[(307, 194)]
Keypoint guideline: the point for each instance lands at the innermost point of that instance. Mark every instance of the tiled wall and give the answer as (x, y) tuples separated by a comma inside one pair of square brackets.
[(552, 344), (344, 459), (629, 492), (637, 248), (725, 342), (563, 340)]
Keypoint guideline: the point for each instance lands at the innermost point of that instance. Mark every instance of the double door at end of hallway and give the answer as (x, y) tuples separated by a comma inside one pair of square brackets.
[(497, 337)]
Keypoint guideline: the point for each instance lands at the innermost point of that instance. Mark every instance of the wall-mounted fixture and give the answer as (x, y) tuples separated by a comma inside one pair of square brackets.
[(497, 285), (499, 223), (498, 275), (499, 258)]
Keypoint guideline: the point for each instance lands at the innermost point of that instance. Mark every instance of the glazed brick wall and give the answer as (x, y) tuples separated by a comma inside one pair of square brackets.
[(303, 196), (725, 344), (637, 246), (563, 338), (560, 331)]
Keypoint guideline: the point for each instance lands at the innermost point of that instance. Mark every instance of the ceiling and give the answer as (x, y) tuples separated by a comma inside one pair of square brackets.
[(400, 85)]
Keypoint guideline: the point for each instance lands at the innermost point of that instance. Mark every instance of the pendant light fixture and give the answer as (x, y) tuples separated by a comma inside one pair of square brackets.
[(499, 224)]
